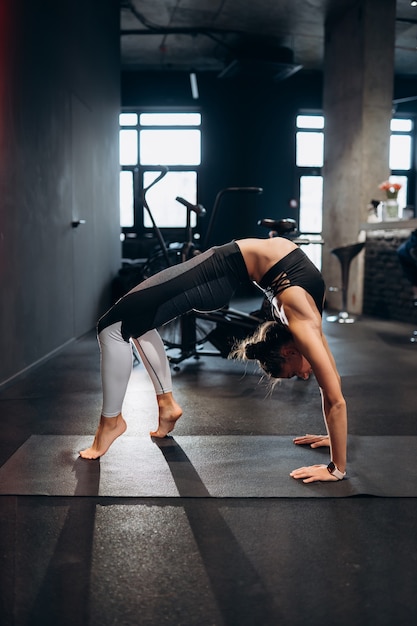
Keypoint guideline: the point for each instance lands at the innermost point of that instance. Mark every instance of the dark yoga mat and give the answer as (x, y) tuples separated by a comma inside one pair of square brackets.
[(221, 467)]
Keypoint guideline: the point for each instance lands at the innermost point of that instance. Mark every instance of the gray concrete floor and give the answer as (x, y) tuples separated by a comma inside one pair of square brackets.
[(203, 561)]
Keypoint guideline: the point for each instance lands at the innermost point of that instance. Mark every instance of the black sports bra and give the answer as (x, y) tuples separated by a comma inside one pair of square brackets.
[(294, 270)]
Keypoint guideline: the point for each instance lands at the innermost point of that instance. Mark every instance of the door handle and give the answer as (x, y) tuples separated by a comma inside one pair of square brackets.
[(76, 223)]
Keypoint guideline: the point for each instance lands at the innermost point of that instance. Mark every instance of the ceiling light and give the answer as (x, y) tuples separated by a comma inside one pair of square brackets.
[(414, 3), (194, 85)]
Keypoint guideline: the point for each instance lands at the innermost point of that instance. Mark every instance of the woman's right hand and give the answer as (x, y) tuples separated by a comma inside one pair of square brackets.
[(314, 441)]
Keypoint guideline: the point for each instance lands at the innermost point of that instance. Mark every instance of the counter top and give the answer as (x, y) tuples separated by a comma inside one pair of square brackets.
[(397, 225)]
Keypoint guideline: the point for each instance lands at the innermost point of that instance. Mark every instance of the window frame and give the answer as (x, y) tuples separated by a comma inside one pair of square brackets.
[(138, 229), (410, 174), (314, 251), (306, 170)]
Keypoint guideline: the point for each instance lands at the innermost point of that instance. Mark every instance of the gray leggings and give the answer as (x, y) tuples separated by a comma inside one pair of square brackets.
[(205, 283), (116, 365)]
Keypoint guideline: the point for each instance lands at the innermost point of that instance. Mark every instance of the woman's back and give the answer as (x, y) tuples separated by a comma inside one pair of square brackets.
[(261, 254)]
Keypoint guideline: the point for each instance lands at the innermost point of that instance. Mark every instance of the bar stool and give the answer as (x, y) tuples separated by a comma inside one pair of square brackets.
[(345, 254)]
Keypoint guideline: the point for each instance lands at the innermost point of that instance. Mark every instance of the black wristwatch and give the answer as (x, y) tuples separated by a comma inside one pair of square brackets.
[(334, 471)]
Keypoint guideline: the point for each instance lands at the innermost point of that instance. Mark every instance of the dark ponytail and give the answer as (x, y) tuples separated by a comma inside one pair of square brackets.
[(265, 348), (254, 351)]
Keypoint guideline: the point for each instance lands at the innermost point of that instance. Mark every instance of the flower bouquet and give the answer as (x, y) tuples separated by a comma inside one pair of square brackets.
[(391, 189), (390, 206)]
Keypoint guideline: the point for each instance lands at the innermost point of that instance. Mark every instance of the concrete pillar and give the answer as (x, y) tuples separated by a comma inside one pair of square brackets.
[(357, 103)]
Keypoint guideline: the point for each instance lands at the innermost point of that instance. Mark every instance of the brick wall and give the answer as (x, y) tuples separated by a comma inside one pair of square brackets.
[(387, 293)]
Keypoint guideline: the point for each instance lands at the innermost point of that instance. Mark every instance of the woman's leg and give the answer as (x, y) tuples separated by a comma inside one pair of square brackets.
[(206, 282), (152, 353), (116, 367)]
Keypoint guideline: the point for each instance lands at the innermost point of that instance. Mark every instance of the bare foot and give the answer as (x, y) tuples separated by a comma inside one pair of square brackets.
[(109, 429), (169, 413)]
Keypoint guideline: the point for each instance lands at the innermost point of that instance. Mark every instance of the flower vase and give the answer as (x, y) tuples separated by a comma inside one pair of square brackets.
[(390, 210)]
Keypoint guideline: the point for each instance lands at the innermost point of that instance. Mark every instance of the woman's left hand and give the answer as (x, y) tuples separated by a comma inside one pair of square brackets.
[(313, 473)]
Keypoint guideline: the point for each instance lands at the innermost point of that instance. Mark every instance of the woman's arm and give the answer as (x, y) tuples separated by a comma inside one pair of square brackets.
[(313, 346), (318, 441)]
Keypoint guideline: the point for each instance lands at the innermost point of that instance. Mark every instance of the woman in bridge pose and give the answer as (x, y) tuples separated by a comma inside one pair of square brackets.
[(293, 345)]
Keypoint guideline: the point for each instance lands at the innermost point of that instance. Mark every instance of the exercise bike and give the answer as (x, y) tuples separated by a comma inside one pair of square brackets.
[(188, 336)]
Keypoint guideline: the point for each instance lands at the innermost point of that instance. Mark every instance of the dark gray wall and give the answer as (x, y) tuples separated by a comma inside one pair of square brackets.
[(59, 106)]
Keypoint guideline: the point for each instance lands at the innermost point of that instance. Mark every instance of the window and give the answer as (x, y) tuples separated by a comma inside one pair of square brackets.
[(309, 161), (311, 199), (400, 157), (128, 147), (170, 147), (167, 212), (149, 140), (126, 199)]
